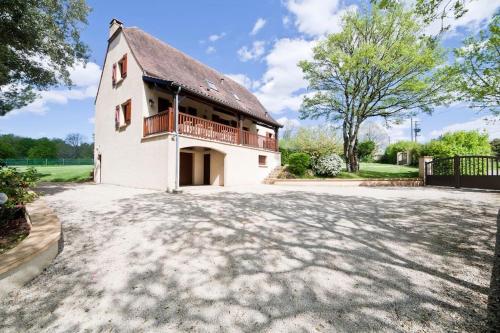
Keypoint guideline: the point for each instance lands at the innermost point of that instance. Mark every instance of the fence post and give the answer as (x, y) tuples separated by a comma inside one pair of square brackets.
[(423, 168), (456, 170)]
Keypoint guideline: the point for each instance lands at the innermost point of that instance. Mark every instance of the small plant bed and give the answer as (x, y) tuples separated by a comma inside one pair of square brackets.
[(367, 171), (13, 230), (16, 192)]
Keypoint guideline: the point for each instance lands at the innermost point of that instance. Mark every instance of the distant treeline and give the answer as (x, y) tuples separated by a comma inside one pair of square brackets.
[(73, 146)]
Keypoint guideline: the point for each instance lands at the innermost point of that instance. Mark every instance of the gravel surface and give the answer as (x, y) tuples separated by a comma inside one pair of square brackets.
[(263, 259)]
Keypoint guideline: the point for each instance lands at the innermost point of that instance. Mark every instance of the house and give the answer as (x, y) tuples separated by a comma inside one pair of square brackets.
[(164, 120)]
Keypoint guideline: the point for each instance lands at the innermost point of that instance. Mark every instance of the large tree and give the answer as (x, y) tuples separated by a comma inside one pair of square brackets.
[(475, 73), (433, 10), (40, 44), (75, 141), (379, 65)]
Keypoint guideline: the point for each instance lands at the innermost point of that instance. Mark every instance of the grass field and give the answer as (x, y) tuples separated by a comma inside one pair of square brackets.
[(378, 170), (63, 173)]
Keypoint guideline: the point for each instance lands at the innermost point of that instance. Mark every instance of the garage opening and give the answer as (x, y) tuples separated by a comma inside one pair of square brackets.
[(201, 166)]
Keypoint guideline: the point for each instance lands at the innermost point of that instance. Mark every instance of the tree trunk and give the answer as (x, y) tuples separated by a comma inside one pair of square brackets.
[(350, 134), (352, 156)]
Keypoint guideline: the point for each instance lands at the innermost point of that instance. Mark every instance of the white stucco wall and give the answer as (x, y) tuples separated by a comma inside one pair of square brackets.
[(126, 158), (241, 164)]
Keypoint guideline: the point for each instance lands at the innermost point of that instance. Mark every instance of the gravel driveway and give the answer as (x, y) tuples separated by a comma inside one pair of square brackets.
[(264, 258)]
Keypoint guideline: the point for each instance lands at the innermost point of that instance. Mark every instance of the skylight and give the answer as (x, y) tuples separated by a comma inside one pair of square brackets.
[(212, 85), (236, 96)]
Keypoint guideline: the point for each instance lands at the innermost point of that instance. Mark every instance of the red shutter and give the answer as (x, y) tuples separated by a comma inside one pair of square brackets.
[(117, 116), (113, 76), (128, 111), (124, 66)]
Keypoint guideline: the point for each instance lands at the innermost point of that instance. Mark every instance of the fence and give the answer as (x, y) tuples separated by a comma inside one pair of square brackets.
[(464, 171), (48, 161)]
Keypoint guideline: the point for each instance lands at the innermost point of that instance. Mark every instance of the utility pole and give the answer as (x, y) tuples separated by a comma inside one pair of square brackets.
[(411, 129), (416, 129)]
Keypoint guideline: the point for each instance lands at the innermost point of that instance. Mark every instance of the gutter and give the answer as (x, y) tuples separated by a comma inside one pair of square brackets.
[(176, 133)]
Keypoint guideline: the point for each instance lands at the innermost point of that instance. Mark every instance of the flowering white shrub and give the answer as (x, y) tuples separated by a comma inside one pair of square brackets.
[(328, 165)]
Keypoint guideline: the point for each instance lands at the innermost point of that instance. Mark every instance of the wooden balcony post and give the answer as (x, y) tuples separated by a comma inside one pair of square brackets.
[(170, 120)]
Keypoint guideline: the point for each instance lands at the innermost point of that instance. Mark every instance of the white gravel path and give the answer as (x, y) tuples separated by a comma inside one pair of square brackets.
[(263, 259)]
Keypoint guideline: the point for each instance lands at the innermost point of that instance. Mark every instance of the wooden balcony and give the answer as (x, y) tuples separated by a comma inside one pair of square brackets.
[(206, 129)]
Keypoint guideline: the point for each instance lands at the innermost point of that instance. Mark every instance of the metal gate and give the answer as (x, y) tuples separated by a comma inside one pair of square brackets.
[(464, 171)]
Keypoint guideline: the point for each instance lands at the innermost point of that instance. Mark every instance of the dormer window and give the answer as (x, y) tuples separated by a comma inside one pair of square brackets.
[(212, 85), (122, 66)]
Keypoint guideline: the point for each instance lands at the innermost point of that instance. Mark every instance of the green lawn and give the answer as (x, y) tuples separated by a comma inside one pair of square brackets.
[(63, 173), (378, 170)]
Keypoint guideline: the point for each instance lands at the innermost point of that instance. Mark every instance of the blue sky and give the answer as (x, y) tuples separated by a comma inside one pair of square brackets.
[(256, 43)]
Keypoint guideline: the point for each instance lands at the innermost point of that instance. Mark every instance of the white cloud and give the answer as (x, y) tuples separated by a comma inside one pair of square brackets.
[(286, 21), (216, 37), (259, 24), (478, 14), (400, 132), (86, 75), (210, 50), (317, 17), (288, 122), (85, 80), (491, 126), (242, 79), (283, 80), (253, 53)]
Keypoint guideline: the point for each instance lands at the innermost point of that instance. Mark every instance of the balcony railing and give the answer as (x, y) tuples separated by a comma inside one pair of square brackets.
[(206, 129)]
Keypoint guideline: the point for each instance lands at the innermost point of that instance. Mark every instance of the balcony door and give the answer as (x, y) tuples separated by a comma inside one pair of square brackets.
[(163, 104), (186, 169), (206, 169)]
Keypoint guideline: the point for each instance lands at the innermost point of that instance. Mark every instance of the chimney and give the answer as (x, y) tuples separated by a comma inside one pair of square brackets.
[(113, 26)]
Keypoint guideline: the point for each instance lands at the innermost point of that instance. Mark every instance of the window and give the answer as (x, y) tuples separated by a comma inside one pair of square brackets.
[(262, 160), (211, 85), (127, 111), (113, 75), (122, 65), (269, 135), (117, 117), (192, 111)]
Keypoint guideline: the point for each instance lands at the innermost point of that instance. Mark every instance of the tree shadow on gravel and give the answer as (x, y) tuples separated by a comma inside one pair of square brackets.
[(288, 261)]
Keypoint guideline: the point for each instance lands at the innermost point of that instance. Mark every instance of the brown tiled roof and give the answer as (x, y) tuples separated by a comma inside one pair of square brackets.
[(162, 61)]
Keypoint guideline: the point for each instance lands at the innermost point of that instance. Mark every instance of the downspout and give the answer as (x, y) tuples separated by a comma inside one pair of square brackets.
[(177, 150)]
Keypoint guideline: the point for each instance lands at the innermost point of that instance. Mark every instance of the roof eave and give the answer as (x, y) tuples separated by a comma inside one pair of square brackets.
[(152, 79)]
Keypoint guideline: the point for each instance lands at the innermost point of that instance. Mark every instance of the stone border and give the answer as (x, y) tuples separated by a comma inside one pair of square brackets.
[(408, 182), (30, 257)]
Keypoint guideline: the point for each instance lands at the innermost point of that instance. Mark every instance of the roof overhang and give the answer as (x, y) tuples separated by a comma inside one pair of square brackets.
[(172, 84)]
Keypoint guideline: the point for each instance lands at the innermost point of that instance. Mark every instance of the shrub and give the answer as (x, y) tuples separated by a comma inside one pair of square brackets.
[(328, 165), (391, 152), (298, 163), (365, 150), (285, 155), (16, 185), (458, 143), (495, 147), (314, 141)]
